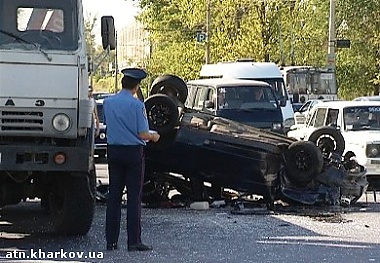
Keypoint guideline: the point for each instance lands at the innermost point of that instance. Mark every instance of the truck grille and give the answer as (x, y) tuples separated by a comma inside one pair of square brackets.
[(21, 121)]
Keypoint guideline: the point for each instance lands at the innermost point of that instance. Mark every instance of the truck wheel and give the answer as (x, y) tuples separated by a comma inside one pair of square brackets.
[(162, 113), (92, 180), (170, 85), (328, 140), (304, 161), (72, 206)]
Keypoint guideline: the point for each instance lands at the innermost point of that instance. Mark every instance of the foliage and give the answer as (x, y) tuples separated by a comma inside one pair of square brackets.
[(288, 32), (359, 66)]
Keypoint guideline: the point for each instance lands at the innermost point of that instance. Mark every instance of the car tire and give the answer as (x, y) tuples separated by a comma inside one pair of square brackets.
[(328, 140), (304, 161), (170, 85), (162, 113)]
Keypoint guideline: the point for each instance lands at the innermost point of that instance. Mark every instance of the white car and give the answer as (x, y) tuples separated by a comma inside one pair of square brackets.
[(368, 98), (358, 123), (304, 113)]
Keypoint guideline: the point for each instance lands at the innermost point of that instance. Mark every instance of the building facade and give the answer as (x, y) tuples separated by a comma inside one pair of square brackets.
[(133, 48)]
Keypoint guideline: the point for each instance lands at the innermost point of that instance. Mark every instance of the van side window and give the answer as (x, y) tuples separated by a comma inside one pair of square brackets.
[(199, 98), (332, 117), (319, 115), (210, 94), (191, 96), (210, 99)]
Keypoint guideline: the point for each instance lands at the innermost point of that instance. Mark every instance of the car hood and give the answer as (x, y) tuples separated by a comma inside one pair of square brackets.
[(260, 118), (360, 136)]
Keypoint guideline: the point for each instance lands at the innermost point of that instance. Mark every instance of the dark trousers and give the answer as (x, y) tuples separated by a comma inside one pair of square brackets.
[(126, 167)]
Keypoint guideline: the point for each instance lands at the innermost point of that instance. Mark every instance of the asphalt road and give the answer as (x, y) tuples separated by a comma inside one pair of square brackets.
[(214, 235)]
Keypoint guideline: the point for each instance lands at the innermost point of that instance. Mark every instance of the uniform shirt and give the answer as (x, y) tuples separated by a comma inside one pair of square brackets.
[(125, 117)]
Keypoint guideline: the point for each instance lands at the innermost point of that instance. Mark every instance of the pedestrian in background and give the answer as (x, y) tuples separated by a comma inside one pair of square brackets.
[(127, 133)]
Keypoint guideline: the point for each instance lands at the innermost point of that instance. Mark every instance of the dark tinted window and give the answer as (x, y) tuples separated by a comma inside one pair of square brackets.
[(99, 107)]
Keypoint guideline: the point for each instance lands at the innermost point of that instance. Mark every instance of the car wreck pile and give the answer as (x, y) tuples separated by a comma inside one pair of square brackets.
[(200, 156)]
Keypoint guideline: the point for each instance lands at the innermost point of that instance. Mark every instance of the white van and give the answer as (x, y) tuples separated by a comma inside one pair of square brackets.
[(262, 71)]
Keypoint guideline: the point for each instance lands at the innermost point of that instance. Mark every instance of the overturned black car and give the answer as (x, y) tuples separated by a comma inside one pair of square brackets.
[(201, 155)]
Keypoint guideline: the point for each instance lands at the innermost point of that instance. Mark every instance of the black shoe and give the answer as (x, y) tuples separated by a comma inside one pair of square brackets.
[(111, 246), (139, 247)]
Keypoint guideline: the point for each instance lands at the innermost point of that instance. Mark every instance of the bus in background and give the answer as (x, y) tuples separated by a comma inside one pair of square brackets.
[(305, 83), (261, 71)]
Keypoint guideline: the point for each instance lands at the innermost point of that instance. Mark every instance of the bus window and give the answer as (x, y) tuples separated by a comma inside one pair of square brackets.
[(310, 82)]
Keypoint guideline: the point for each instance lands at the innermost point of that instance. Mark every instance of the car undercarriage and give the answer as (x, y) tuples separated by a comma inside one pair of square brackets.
[(203, 158)]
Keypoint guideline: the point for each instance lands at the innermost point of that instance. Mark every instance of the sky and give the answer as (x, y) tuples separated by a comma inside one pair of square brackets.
[(123, 11)]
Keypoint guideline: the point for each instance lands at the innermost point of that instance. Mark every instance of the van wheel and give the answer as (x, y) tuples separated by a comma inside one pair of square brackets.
[(170, 85), (162, 113), (304, 161), (328, 140)]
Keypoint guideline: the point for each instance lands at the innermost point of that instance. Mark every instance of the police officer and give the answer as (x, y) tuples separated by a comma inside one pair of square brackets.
[(127, 133)]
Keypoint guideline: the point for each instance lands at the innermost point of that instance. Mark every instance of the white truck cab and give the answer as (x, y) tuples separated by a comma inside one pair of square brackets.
[(359, 124), (262, 71), (46, 117)]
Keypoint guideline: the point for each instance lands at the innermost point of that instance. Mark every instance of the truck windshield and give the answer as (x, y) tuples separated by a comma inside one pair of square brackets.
[(246, 97), (46, 24)]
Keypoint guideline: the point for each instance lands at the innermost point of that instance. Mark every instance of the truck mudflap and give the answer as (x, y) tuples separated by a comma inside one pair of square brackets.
[(43, 158)]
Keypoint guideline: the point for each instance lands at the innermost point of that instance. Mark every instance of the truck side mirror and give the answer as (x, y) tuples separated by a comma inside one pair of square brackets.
[(108, 32)]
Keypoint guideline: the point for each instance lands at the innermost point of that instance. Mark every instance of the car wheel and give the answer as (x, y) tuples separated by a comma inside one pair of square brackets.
[(304, 161), (162, 113), (170, 85), (328, 140)]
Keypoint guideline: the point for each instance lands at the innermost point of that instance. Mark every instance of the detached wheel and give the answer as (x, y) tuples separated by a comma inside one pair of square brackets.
[(72, 205), (328, 140), (170, 85), (304, 161), (162, 113)]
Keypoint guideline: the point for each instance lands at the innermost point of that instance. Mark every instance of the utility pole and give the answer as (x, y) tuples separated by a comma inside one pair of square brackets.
[(116, 64), (208, 18), (332, 38)]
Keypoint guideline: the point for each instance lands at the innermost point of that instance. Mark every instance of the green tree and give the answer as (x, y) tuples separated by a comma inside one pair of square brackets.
[(358, 67), (286, 32)]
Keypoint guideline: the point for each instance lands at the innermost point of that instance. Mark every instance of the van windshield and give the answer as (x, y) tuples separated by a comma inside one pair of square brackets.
[(277, 85), (246, 97), (45, 24)]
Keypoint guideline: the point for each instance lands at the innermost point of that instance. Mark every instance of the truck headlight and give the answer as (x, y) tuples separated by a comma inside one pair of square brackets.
[(372, 150), (276, 126), (289, 122), (61, 122)]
